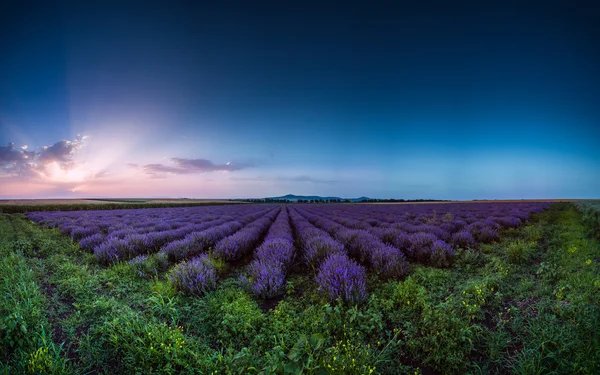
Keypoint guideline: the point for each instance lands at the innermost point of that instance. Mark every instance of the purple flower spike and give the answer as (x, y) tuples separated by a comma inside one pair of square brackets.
[(267, 278), (463, 239), (319, 247), (441, 254), (341, 277), (196, 276)]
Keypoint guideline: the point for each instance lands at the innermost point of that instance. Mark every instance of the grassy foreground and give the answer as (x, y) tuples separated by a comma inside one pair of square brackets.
[(527, 305)]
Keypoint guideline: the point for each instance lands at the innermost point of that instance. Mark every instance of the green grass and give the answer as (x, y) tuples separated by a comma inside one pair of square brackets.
[(591, 217), (527, 305)]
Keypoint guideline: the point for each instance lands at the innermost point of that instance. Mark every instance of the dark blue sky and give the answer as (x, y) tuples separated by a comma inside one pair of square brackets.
[(454, 100)]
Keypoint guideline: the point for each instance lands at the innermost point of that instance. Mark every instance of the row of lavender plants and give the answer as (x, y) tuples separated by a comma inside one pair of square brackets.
[(199, 274), (423, 234), (386, 248), (505, 214), (180, 232), (272, 259), (385, 259), (337, 275), (198, 240), (82, 225)]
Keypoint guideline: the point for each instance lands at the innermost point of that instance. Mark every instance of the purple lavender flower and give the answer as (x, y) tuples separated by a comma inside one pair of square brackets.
[(243, 241), (508, 221), (458, 224), (92, 241), (389, 261), (144, 268), (489, 222), (266, 279), (488, 235), (77, 233), (420, 245), (110, 251), (441, 254), (463, 239), (196, 276), (318, 248), (401, 241), (341, 277), (277, 250), (198, 242)]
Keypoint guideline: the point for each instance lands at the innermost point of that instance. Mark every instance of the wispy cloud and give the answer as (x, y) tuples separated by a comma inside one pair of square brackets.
[(284, 179), (308, 179), (181, 166)]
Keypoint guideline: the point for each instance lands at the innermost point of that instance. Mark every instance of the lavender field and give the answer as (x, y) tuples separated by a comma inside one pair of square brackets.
[(340, 243), (478, 288)]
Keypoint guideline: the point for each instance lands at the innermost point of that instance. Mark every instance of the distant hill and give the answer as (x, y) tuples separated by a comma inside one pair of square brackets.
[(295, 198), (292, 198)]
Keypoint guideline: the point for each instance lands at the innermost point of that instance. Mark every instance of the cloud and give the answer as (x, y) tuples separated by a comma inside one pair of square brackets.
[(15, 161), (102, 174), (285, 179), (161, 168), (18, 162), (61, 152), (309, 179), (189, 166)]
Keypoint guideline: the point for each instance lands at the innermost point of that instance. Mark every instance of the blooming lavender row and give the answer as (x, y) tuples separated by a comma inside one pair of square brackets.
[(422, 213), (376, 245), (196, 276), (385, 259), (114, 248), (336, 274), (244, 241), (334, 239), (125, 234), (423, 234), (154, 219), (504, 214), (92, 227), (152, 240), (341, 277), (316, 243), (199, 242), (267, 272)]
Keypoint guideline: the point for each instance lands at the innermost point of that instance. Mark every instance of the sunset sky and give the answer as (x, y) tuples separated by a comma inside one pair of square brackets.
[(256, 99)]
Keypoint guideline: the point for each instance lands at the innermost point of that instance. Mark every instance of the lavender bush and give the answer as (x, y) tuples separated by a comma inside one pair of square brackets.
[(266, 279), (92, 241), (319, 247), (441, 254), (420, 245), (267, 271), (389, 261), (341, 277), (196, 276), (463, 239), (488, 235), (243, 241), (276, 250)]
